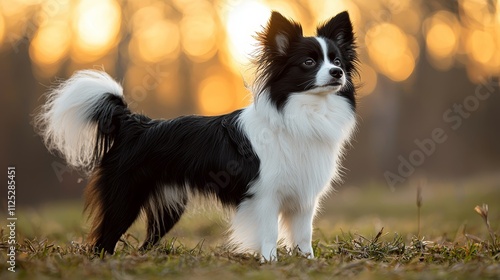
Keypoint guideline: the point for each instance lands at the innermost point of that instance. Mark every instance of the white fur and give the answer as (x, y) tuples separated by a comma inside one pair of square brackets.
[(299, 149), (64, 120), (168, 197), (178, 199), (323, 77)]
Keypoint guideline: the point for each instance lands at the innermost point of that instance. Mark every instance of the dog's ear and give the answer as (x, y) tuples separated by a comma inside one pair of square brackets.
[(279, 34), (339, 29)]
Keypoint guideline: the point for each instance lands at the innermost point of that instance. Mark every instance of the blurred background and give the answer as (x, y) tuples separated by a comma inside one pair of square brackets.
[(429, 105)]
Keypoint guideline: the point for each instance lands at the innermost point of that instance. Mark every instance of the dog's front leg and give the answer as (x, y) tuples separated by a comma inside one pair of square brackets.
[(267, 211), (302, 228), (299, 227)]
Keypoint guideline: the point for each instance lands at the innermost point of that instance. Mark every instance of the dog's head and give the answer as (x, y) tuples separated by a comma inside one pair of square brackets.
[(289, 63)]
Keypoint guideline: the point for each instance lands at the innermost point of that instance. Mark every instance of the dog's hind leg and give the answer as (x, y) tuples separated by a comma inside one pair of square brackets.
[(159, 223), (163, 210), (114, 203)]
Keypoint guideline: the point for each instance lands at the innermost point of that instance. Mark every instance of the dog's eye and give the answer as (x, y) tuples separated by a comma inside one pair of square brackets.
[(337, 62), (309, 62)]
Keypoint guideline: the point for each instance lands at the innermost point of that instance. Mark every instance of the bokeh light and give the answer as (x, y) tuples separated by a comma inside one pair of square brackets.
[(199, 37), (387, 40), (325, 10), (194, 37), (216, 95), (51, 43), (481, 44), (157, 41), (2, 28), (390, 51), (442, 39), (14, 8), (243, 20), (96, 27)]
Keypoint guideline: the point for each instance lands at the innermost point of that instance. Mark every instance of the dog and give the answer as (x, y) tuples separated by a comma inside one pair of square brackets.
[(271, 162)]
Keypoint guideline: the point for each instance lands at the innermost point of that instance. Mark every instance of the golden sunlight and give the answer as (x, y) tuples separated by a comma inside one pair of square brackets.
[(220, 35), (481, 44), (2, 28), (242, 21), (442, 35), (157, 41), (387, 40), (198, 37), (13, 8), (215, 95), (441, 40), (168, 92), (390, 50), (96, 26), (324, 10), (51, 43), (400, 69)]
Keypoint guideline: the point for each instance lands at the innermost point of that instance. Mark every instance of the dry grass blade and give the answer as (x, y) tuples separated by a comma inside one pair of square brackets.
[(419, 205), (483, 212), (378, 235)]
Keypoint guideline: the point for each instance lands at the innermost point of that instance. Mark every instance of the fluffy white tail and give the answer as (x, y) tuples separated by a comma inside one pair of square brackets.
[(69, 121)]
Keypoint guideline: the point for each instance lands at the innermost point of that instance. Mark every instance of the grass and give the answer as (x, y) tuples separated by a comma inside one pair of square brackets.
[(362, 233)]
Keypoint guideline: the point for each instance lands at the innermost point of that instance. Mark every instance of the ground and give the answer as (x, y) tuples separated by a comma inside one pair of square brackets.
[(362, 232)]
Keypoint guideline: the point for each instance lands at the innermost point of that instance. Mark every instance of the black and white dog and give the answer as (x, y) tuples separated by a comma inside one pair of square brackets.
[(271, 162)]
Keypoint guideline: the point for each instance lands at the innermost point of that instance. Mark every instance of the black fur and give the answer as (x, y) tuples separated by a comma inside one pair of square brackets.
[(149, 155), (284, 73)]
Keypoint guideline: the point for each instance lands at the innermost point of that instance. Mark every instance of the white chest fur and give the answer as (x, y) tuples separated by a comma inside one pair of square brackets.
[(300, 146)]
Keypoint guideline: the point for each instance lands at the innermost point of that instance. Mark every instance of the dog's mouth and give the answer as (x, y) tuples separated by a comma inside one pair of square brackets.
[(326, 89), (334, 84)]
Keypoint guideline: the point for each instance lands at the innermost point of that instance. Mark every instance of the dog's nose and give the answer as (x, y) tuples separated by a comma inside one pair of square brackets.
[(336, 73)]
